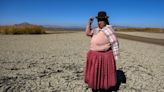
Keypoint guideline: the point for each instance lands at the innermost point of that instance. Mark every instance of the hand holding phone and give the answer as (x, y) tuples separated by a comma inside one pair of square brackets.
[(91, 20)]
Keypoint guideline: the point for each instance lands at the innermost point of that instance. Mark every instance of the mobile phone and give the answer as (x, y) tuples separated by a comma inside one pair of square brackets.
[(91, 19)]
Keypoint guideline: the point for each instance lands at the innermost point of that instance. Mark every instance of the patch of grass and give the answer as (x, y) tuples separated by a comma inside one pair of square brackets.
[(22, 29)]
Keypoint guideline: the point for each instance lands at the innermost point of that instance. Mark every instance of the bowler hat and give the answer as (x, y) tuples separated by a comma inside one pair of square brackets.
[(102, 15)]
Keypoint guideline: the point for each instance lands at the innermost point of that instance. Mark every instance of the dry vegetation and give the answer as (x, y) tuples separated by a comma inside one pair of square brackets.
[(22, 29), (140, 29)]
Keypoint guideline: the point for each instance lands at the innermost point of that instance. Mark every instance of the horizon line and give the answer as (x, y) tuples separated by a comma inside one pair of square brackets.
[(78, 26)]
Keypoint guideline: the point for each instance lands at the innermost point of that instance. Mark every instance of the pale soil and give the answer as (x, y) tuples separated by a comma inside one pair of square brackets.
[(55, 63)]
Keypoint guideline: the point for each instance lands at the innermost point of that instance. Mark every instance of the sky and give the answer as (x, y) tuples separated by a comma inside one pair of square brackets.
[(132, 13)]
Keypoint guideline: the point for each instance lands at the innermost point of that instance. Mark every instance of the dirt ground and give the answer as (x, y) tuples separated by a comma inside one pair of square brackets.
[(56, 62)]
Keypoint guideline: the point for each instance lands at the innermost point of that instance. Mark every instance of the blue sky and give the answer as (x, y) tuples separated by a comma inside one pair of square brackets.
[(135, 13)]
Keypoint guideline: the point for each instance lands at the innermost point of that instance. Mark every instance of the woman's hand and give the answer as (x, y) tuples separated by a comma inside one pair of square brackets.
[(89, 27), (107, 46), (91, 20)]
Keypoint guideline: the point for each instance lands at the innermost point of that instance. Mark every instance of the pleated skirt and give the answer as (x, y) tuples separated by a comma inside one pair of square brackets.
[(100, 70)]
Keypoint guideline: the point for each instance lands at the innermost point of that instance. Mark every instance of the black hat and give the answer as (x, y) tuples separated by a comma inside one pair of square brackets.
[(102, 15)]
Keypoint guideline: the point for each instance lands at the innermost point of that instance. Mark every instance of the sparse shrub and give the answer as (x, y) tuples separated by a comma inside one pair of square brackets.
[(22, 29)]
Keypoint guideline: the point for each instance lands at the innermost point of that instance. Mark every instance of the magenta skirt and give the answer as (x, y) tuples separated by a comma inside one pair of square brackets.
[(100, 70)]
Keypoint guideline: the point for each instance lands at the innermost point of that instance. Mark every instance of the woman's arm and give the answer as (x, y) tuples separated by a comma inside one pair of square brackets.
[(104, 47), (89, 31), (113, 40)]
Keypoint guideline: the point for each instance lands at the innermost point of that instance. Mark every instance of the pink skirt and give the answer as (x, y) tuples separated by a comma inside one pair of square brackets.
[(100, 70)]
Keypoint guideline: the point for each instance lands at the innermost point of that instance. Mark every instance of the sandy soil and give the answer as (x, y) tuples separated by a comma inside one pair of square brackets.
[(55, 63)]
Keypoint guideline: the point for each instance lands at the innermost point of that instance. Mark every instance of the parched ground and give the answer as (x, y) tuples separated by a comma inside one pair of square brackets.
[(55, 63)]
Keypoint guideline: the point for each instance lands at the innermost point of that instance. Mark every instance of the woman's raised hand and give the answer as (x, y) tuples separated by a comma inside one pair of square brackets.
[(91, 20)]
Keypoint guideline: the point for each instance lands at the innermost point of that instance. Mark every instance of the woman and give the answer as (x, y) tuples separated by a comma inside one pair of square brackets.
[(100, 71)]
